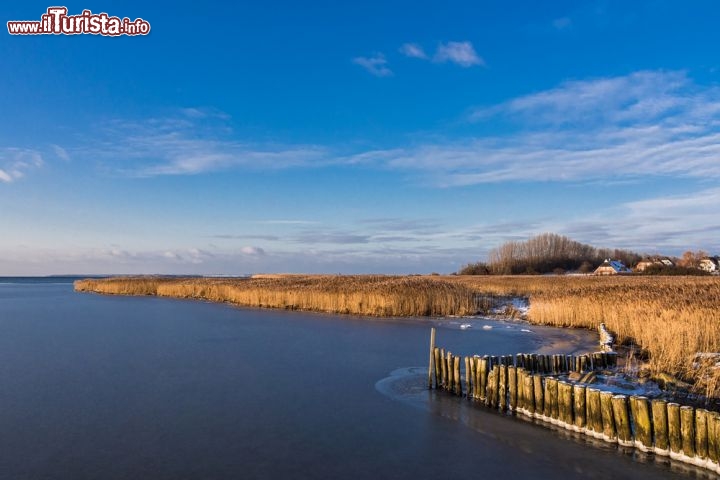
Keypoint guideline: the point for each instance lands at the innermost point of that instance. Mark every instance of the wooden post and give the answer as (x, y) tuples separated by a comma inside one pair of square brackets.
[(529, 387), (483, 373), (660, 426), (438, 368), (496, 386), (622, 419), (579, 398), (674, 430), (450, 385), (565, 403), (594, 411), (512, 387), (643, 423), (687, 429), (538, 393), (713, 420), (552, 397), (432, 358), (474, 367), (468, 376), (608, 418), (503, 387), (457, 379), (547, 407), (701, 433), (534, 362), (443, 368)]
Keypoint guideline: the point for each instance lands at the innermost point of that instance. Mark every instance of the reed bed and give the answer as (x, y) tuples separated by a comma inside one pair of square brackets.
[(671, 318), (372, 295)]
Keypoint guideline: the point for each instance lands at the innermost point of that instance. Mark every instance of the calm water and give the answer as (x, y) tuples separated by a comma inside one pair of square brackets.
[(95, 387)]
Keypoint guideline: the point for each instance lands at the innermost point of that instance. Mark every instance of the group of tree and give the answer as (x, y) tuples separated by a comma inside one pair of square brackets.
[(546, 253)]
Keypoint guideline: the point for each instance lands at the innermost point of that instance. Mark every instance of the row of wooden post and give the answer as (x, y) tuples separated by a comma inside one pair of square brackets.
[(503, 383), (477, 368)]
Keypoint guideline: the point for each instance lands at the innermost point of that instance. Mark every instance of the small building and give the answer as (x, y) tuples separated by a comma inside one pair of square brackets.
[(649, 262), (710, 264), (612, 267)]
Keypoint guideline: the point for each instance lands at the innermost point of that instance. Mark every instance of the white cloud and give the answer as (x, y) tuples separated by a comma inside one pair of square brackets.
[(413, 50), (15, 162), (254, 251), (60, 152), (460, 53), (376, 65)]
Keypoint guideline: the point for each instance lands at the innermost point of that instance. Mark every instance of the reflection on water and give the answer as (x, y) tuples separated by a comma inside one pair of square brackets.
[(127, 388)]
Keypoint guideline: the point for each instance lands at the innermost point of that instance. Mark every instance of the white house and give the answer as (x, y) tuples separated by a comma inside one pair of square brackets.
[(612, 267), (710, 264)]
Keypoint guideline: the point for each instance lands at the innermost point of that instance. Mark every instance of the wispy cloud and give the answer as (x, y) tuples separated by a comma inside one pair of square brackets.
[(643, 124), (460, 53), (16, 162), (413, 50), (188, 145), (377, 65)]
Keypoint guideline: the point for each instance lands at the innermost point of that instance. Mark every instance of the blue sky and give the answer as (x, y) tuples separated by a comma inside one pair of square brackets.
[(367, 137)]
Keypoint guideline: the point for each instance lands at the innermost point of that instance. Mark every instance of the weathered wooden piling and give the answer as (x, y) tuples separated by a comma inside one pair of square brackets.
[(503, 395), (579, 407), (642, 419), (594, 411), (713, 422), (608, 418), (512, 387), (438, 368), (457, 379), (443, 368), (674, 429), (565, 403), (687, 429), (468, 378), (528, 389), (622, 419), (701, 433), (551, 398), (483, 374), (538, 394), (660, 426), (431, 365), (474, 375), (448, 361)]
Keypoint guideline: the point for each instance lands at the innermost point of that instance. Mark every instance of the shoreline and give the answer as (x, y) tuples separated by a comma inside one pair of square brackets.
[(649, 313)]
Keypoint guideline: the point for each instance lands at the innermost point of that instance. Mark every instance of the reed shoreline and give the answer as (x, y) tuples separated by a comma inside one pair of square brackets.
[(670, 319)]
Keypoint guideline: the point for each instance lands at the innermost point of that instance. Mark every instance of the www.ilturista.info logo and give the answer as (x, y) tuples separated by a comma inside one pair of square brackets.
[(57, 22)]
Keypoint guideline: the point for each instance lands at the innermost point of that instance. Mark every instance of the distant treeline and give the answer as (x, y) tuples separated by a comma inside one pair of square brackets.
[(546, 253)]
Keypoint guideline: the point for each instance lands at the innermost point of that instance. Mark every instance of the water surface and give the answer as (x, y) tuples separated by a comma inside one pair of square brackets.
[(140, 387)]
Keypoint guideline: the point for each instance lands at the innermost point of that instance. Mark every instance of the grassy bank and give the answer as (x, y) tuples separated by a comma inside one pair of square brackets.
[(373, 295), (671, 318)]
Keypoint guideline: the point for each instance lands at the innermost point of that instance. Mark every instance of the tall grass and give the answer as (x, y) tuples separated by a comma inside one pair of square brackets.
[(671, 318), (373, 295)]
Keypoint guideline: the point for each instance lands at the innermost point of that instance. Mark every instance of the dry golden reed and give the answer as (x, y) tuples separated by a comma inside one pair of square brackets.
[(672, 318), (374, 295)]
